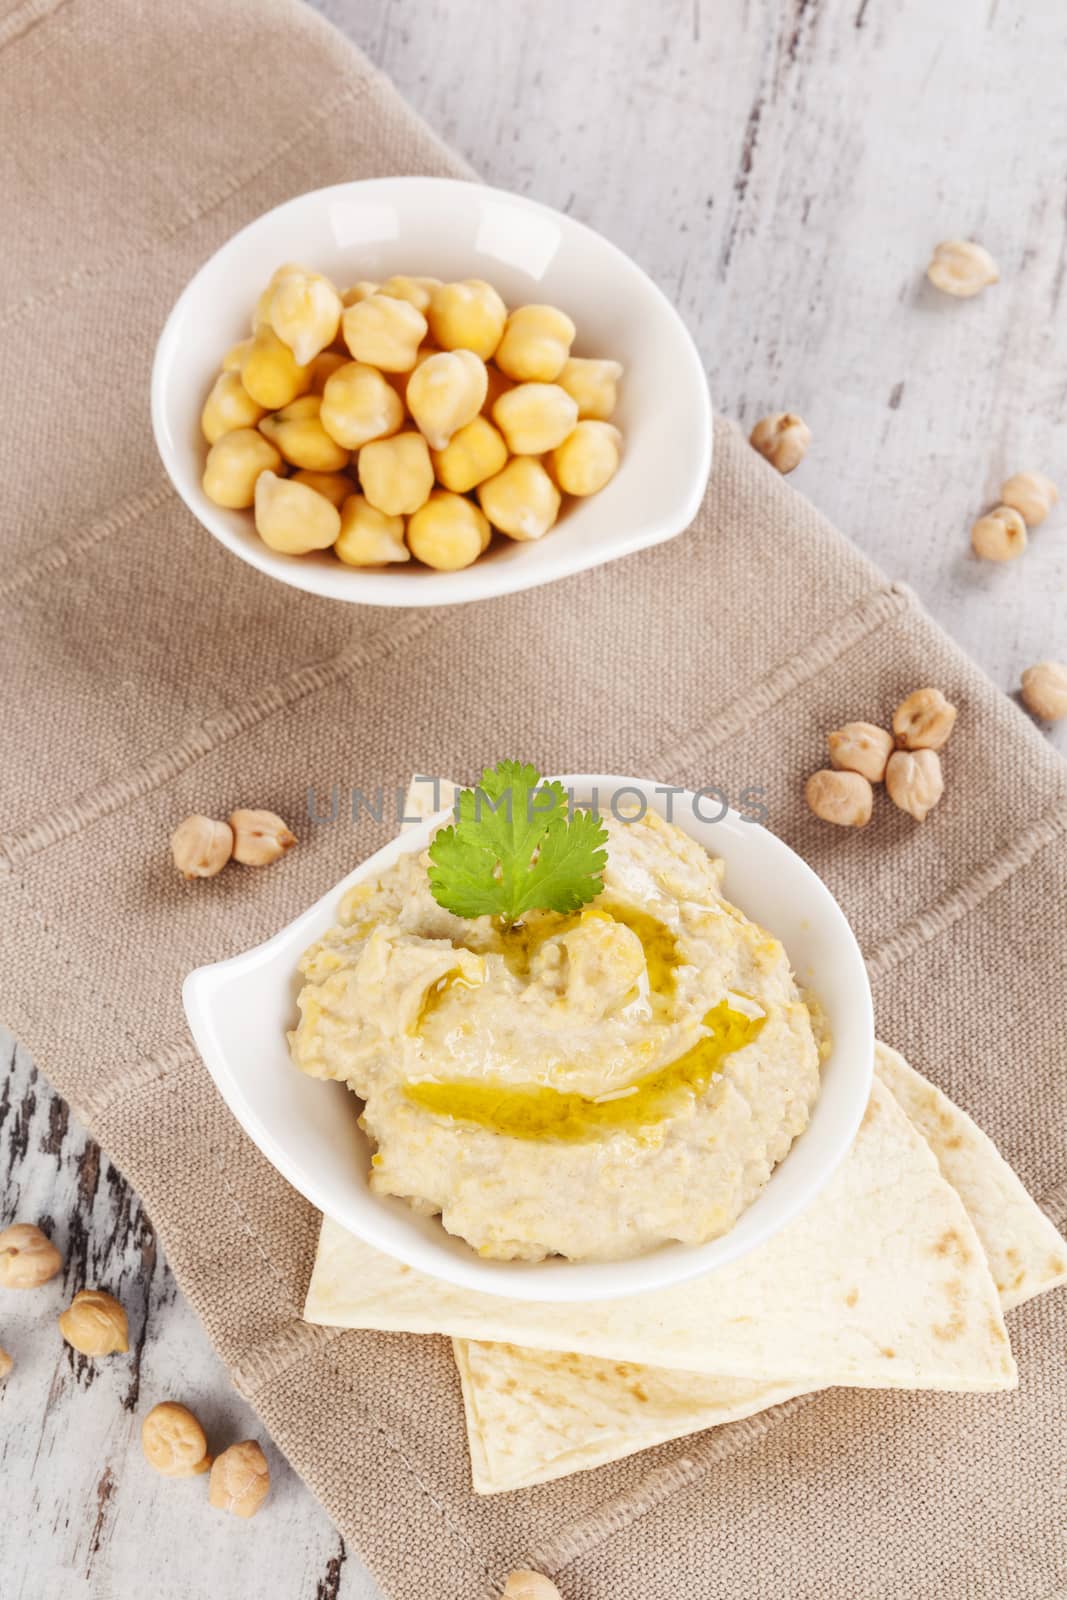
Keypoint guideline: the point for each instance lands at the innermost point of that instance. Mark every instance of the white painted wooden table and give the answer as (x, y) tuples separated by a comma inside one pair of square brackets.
[(782, 169)]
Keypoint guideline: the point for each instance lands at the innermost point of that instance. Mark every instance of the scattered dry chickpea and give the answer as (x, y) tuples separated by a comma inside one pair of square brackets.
[(530, 1586), (861, 747), (369, 538), (924, 720), (1000, 535), (28, 1257), (259, 837), (240, 1479), (6, 1364), (174, 1442), (782, 439), (914, 781), (1031, 494), (1045, 690), (844, 798), (536, 344), (962, 268), (201, 846), (95, 1324)]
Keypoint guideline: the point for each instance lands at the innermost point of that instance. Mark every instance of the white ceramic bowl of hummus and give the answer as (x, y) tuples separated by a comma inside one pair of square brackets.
[(449, 229), (240, 1012)]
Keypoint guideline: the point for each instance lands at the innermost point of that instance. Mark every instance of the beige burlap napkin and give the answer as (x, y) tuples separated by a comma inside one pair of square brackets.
[(146, 673)]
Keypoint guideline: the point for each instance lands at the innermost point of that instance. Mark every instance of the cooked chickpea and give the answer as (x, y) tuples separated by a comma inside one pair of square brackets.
[(261, 314), (416, 291), (467, 316), (369, 538), (1031, 494), (588, 458), (305, 313), (271, 373), (297, 431), (1000, 535), (445, 392), (592, 384), (237, 355), (325, 364), (384, 333), (293, 518), (473, 453), (536, 343), (358, 405), (535, 417), (448, 532), (335, 486), (396, 474), (233, 465), (228, 406), (497, 386), (522, 501), (359, 291)]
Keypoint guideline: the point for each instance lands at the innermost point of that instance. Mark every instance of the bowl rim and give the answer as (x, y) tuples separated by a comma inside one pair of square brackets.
[(437, 588), (553, 1280)]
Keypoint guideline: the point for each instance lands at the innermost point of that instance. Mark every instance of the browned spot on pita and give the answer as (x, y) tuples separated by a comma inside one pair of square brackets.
[(951, 1244), (1011, 1253), (957, 1323), (852, 1296), (871, 1111), (953, 1142), (887, 1351), (510, 1385), (1019, 1278), (638, 1393), (997, 1332), (1057, 1264)]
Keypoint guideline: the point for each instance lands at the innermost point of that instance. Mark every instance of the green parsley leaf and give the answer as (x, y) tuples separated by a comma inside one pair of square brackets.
[(515, 849)]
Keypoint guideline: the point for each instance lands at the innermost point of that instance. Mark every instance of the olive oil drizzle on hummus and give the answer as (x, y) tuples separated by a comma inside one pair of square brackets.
[(543, 1113)]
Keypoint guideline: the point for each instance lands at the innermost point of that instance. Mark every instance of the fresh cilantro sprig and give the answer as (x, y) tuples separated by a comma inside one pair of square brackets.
[(514, 848)]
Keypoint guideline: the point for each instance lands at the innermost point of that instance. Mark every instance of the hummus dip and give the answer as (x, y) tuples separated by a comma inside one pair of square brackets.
[(588, 1086)]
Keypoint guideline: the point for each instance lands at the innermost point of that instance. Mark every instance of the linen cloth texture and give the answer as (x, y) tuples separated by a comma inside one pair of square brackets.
[(147, 674)]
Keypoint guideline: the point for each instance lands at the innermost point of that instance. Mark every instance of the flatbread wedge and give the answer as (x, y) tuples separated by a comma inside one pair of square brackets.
[(533, 1416)]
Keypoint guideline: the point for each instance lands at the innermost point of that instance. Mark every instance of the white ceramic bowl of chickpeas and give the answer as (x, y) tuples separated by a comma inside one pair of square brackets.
[(420, 391)]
